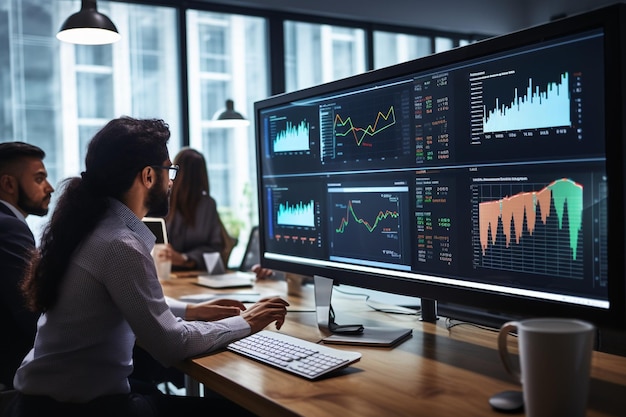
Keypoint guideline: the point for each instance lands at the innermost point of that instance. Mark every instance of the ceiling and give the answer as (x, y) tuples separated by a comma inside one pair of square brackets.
[(492, 17)]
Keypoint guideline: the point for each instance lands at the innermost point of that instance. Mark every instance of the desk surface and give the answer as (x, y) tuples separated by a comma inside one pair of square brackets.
[(437, 372)]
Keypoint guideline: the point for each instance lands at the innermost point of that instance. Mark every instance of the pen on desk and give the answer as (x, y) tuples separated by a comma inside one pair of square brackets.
[(184, 274)]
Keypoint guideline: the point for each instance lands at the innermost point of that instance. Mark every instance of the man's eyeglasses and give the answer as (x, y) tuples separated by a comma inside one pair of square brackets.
[(173, 170)]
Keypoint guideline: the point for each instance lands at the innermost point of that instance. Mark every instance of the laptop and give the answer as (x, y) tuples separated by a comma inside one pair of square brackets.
[(157, 227), (217, 276), (251, 256)]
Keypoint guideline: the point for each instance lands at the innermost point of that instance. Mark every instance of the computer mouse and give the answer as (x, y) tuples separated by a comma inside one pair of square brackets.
[(507, 401)]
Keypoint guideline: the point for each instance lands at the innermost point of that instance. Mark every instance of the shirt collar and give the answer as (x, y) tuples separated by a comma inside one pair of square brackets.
[(134, 223), (14, 210)]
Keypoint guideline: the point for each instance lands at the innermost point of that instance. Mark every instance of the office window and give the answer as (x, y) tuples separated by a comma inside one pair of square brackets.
[(227, 59), (137, 76), (57, 95), (315, 54), (213, 56), (96, 100), (393, 48), (443, 44)]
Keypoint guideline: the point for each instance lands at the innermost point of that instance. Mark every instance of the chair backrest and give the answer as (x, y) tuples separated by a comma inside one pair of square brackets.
[(252, 254), (6, 395), (229, 243)]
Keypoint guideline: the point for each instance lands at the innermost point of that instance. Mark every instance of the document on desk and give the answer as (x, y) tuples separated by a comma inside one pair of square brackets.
[(250, 297)]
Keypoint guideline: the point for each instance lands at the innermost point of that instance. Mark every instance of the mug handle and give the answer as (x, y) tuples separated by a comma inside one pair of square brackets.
[(503, 348)]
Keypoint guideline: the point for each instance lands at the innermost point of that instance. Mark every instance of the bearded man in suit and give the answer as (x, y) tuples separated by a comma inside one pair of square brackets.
[(24, 190)]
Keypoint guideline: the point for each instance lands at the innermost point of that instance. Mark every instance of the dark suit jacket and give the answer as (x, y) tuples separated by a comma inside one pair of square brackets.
[(17, 325)]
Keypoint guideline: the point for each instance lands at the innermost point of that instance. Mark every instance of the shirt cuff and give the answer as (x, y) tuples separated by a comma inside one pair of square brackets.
[(179, 308), (238, 326)]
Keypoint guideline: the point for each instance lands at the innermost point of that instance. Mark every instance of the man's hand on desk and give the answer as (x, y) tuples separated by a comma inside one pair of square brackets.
[(214, 309), (266, 311), (261, 273), (258, 316)]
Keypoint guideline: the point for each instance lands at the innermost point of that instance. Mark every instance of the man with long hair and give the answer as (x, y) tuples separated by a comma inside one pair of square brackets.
[(24, 190), (96, 285)]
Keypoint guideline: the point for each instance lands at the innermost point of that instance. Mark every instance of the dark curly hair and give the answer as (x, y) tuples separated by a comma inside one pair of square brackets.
[(116, 154)]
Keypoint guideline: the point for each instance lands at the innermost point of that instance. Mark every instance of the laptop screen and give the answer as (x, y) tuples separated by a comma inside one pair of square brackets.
[(251, 256), (157, 227)]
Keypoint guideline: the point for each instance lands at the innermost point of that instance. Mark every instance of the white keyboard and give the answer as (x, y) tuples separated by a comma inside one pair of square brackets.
[(291, 354)]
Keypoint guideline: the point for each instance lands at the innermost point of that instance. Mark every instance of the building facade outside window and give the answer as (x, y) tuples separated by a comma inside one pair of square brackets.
[(443, 44), (57, 95), (318, 53), (227, 60), (137, 76), (394, 48)]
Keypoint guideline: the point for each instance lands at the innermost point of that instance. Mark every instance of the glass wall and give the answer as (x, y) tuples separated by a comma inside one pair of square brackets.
[(138, 76), (443, 44), (57, 95), (317, 53), (393, 48), (227, 60)]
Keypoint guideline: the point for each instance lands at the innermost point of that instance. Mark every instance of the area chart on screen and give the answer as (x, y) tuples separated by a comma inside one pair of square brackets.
[(532, 230)]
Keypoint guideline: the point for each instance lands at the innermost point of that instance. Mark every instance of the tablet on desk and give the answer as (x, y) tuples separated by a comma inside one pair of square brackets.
[(235, 279), (217, 277)]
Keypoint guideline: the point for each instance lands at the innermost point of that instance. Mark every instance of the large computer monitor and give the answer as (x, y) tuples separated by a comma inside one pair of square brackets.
[(489, 176)]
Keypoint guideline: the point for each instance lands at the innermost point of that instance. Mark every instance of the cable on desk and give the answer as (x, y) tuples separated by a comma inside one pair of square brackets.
[(382, 307), (450, 323)]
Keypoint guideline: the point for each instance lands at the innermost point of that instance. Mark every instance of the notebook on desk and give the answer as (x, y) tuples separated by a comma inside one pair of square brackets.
[(371, 336), (218, 277)]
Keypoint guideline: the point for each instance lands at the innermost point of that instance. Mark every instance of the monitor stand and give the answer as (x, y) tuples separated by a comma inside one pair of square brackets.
[(429, 310), (350, 334)]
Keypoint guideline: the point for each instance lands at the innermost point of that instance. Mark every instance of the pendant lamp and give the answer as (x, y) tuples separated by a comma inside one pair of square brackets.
[(88, 27), (229, 117)]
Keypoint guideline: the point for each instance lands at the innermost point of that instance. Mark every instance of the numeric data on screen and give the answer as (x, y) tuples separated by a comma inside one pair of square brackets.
[(490, 169)]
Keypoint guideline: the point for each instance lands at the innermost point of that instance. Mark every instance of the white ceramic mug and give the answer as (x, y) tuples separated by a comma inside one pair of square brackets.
[(294, 284), (555, 362), (162, 261)]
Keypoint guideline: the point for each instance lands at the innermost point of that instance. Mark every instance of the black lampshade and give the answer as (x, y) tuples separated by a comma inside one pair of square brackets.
[(88, 27), (229, 117)]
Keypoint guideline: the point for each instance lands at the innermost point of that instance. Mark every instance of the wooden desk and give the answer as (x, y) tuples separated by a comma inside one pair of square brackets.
[(437, 372)]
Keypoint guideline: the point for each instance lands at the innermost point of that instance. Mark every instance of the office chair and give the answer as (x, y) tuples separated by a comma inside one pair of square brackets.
[(229, 243), (6, 395)]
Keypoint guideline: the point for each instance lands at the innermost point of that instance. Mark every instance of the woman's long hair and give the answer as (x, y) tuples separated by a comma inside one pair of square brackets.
[(115, 156), (191, 182)]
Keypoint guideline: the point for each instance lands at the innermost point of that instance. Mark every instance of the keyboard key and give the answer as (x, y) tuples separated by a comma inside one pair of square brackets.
[(291, 354)]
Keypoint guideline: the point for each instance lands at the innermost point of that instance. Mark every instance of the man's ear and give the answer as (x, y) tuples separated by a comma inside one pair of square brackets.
[(8, 184), (148, 177)]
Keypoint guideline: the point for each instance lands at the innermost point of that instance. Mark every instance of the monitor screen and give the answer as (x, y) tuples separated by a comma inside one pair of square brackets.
[(490, 175)]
